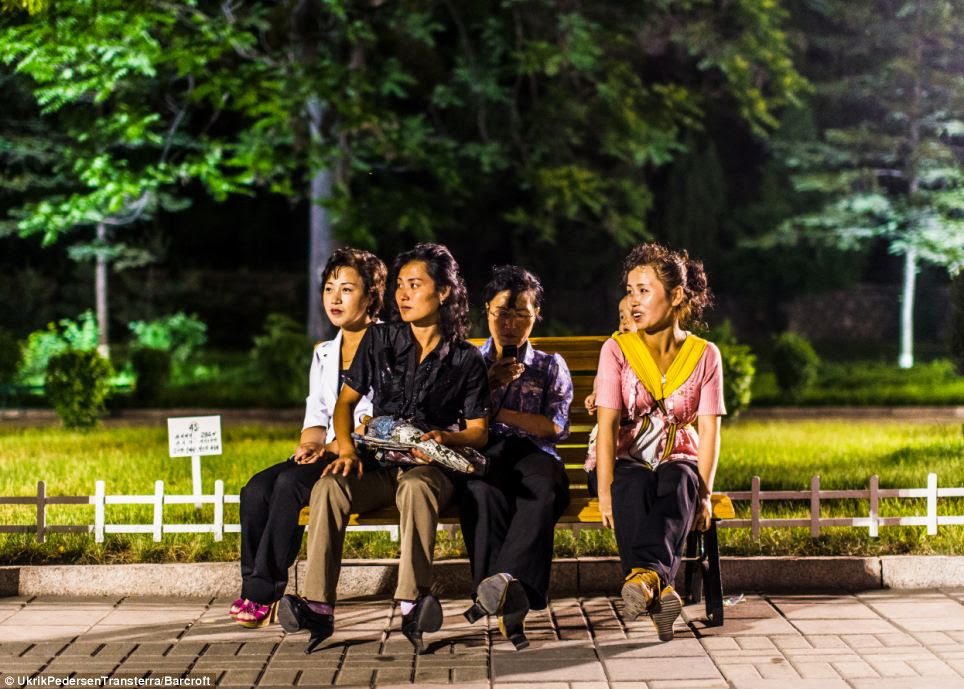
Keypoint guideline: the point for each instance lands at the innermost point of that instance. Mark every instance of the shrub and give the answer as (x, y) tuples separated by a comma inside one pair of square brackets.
[(739, 368), (280, 358), (956, 322), (10, 357), (152, 368), (44, 344), (795, 364), (178, 334), (77, 383)]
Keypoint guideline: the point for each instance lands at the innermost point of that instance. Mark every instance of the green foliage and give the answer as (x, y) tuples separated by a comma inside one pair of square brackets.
[(795, 364), (280, 358), (10, 357), (179, 334), (77, 384), (955, 325), (424, 114), (41, 345), (152, 368), (739, 368), (886, 165)]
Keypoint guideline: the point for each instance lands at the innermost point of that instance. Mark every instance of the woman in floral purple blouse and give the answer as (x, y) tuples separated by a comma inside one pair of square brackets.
[(508, 518)]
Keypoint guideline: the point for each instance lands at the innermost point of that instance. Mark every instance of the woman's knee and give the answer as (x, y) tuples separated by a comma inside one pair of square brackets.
[(418, 485), (257, 489)]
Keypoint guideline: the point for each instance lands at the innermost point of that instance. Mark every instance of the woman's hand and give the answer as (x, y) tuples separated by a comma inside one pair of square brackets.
[(441, 437), (606, 509), (308, 453), (504, 371), (590, 403), (343, 465), (704, 513)]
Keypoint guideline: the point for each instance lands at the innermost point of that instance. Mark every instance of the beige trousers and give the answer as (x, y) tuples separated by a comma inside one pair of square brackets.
[(420, 493)]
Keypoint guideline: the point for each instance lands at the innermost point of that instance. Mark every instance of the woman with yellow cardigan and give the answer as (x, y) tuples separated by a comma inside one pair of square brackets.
[(659, 399)]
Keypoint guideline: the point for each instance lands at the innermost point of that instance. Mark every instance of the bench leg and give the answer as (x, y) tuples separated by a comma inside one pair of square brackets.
[(692, 571), (712, 581)]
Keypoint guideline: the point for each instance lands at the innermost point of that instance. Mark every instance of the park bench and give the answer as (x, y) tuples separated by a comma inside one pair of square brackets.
[(701, 557)]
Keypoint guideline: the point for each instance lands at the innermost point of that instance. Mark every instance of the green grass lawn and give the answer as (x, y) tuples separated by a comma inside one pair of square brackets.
[(783, 453), (869, 383)]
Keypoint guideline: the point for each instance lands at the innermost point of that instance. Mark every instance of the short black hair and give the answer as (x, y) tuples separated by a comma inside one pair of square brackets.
[(372, 270), (517, 280)]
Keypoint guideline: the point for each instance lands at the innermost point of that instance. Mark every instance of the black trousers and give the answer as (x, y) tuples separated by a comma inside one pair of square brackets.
[(270, 535), (653, 511), (509, 517)]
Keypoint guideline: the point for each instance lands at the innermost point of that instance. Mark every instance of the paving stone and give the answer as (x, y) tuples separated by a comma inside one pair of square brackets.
[(750, 683), (283, 677), (44, 649), (425, 674), (262, 648), (791, 642), (686, 684), (30, 616), (907, 683), (816, 670), (239, 677), (738, 671), (755, 643), (929, 624), (350, 676), (777, 668), (690, 668), (932, 668), (850, 669), (518, 668), (42, 633), (747, 627), (893, 668), (824, 611), (825, 641), (13, 648), (315, 676), (674, 649)]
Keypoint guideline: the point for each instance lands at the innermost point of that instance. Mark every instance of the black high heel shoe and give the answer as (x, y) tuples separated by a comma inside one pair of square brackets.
[(504, 596), (426, 616), (295, 615)]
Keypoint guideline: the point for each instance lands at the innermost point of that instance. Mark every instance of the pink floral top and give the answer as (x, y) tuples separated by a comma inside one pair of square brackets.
[(618, 387)]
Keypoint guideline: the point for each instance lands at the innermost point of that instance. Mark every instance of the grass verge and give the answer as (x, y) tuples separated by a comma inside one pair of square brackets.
[(785, 454)]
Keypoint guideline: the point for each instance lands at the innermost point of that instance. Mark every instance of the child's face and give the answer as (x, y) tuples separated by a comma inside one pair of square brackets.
[(626, 324)]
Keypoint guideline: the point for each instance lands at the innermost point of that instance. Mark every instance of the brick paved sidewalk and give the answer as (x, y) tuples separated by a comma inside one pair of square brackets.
[(877, 639)]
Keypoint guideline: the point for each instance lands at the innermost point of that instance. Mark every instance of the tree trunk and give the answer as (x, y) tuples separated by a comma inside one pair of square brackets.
[(321, 239), (100, 291), (906, 358)]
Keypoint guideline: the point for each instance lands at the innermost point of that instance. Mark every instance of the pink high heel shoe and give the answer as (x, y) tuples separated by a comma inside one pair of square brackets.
[(237, 606), (254, 615)]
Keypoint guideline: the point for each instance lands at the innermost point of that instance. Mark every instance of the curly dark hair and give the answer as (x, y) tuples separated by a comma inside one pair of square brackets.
[(373, 271), (517, 280), (674, 269), (444, 271)]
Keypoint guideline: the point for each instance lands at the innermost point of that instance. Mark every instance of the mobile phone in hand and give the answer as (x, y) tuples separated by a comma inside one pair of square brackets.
[(510, 352)]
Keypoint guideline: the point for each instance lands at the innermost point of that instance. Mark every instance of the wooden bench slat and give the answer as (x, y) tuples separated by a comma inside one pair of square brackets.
[(582, 510)]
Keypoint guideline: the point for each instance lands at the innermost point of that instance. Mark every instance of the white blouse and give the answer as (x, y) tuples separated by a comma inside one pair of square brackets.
[(323, 389)]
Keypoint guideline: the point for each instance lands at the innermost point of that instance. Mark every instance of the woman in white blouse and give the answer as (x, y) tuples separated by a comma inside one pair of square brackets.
[(353, 284)]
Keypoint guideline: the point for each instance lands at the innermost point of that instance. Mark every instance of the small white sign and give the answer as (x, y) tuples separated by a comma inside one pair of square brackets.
[(194, 436)]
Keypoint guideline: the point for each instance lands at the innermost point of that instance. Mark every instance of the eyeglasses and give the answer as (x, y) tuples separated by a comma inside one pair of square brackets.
[(517, 316)]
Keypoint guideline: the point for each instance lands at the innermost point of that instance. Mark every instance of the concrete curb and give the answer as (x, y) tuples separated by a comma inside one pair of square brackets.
[(452, 577)]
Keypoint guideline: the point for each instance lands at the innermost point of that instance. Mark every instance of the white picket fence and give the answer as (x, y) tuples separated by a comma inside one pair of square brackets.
[(158, 527)]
